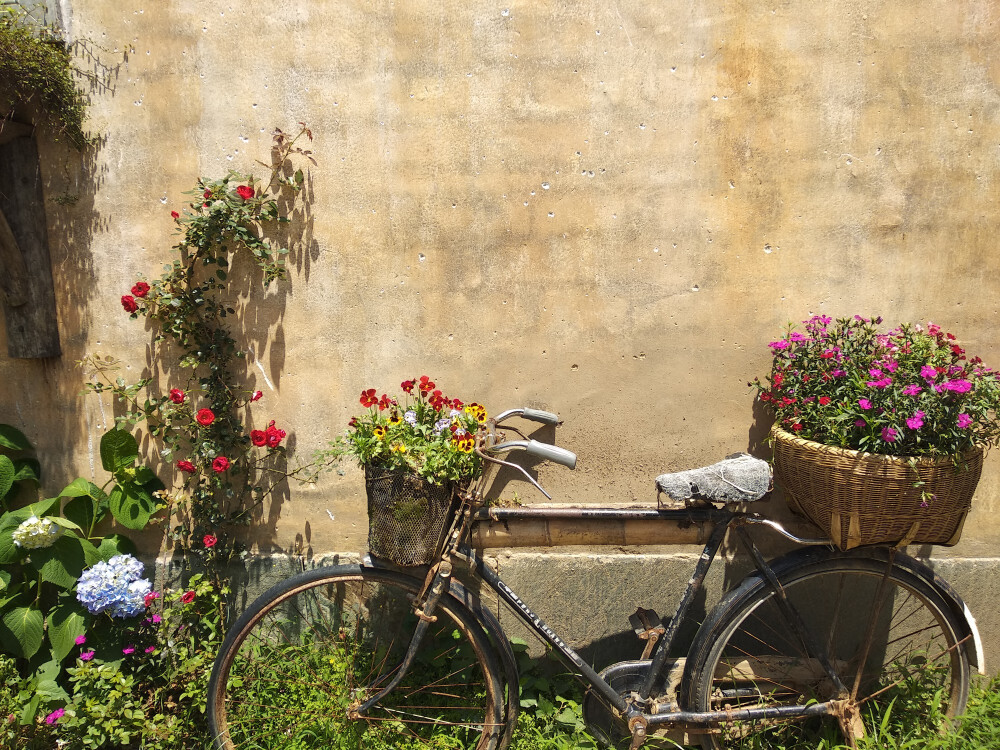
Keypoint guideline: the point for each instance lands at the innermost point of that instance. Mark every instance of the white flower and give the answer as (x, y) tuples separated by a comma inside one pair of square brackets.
[(37, 533)]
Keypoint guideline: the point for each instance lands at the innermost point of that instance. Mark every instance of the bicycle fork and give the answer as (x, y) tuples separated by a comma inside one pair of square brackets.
[(440, 581)]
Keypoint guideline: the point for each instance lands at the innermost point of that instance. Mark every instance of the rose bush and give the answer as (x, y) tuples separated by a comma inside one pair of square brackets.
[(909, 391)]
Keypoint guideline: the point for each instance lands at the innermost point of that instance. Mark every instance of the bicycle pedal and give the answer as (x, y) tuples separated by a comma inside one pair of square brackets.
[(649, 627)]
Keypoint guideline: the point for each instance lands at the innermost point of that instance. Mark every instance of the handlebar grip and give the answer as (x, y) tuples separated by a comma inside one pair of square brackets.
[(551, 453), (537, 415)]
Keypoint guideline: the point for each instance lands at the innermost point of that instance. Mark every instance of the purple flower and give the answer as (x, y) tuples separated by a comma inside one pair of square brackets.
[(912, 390), (964, 420), (53, 717), (86, 656), (916, 421), (864, 403), (928, 373), (888, 434), (958, 386)]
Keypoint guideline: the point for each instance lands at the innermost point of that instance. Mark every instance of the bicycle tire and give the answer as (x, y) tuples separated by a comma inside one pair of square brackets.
[(313, 647), (746, 654)]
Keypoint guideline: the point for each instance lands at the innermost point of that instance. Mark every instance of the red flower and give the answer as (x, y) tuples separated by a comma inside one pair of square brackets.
[(824, 400), (426, 384), (385, 402), (187, 597), (353, 422), (258, 437), (177, 395), (128, 302), (186, 466), (175, 214), (209, 541), (274, 435), (151, 597), (457, 404), (208, 193), (368, 398), (141, 289), (407, 385), (797, 427), (245, 192), (257, 395), (205, 417), (220, 464)]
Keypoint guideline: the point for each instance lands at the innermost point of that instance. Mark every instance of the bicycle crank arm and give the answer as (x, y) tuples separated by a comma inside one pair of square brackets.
[(441, 583)]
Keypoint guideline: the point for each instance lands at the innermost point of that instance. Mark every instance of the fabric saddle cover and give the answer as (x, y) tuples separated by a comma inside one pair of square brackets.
[(739, 478)]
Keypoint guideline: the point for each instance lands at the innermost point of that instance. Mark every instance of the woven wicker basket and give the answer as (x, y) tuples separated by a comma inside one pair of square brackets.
[(407, 516), (864, 498)]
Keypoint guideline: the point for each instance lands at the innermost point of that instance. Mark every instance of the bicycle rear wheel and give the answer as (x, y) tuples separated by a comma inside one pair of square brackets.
[(890, 636), (314, 647)]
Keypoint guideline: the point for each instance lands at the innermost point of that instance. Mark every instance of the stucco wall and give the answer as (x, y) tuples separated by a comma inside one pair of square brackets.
[(602, 209)]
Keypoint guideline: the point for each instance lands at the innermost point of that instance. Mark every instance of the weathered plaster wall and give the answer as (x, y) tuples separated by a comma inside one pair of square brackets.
[(603, 209)]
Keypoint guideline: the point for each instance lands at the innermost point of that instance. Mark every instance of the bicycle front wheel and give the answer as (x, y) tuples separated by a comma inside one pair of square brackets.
[(888, 635), (308, 652)]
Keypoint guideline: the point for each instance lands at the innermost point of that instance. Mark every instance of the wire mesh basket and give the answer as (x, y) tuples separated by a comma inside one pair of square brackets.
[(864, 498), (407, 516)]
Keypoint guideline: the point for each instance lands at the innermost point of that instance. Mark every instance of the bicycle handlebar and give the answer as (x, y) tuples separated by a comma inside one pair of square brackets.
[(535, 415), (543, 450)]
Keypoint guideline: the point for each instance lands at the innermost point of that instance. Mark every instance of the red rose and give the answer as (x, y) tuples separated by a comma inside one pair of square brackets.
[(177, 395), (257, 395), (128, 302), (188, 597), (186, 466), (368, 398), (258, 437), (175, 214), (245, 192), (205, 417), (209, 541), (220, 464), (274, 435), (141, 289)]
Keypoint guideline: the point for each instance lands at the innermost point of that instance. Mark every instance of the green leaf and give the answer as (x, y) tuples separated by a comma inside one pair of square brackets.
[(66, 623), (116, 544), (13, 438), (62, 563), (91, 555), (65, 523), (27, 468), (144, 475), (131, 505), (80, 510), (119, 450), (7, 472), (4, 580), (9, 552), (80, 487), (21, 631)]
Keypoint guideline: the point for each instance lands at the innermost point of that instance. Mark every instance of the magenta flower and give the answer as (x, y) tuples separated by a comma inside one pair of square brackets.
[(888, 434), (964, 420), (916, 421), (864, 403), (860, 423), (958, 386), (777, 345), (150, 649), (86, 656), (928, 373), (875, 372), (128, 650), (881, 383), (912, 390), (80, 640), (53, 717)]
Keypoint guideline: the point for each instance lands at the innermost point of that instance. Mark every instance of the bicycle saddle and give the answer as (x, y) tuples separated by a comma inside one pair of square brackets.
[(738, 478)]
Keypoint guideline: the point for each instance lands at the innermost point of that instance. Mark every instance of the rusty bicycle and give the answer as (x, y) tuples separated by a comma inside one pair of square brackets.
[(378, 654)]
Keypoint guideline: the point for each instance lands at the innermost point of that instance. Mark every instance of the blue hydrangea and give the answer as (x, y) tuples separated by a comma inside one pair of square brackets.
[(116, 587)]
